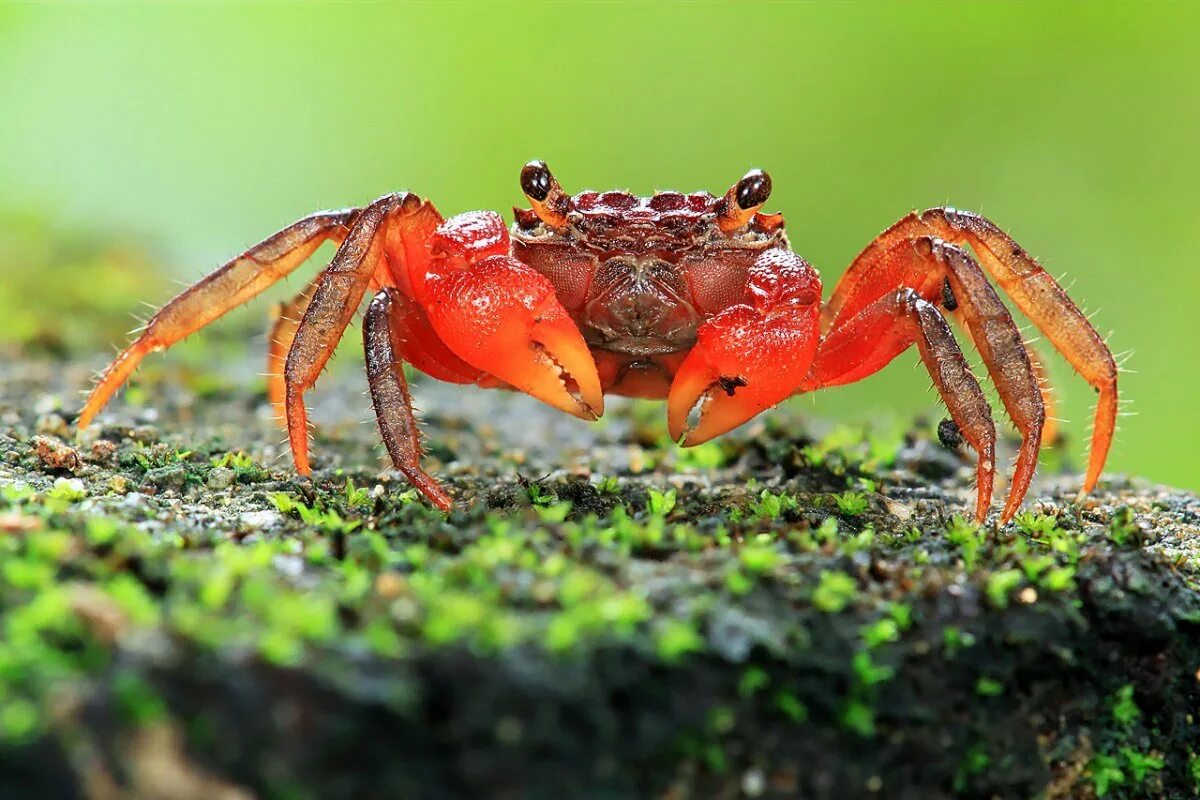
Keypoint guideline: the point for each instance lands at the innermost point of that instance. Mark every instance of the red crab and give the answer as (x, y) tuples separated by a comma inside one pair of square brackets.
[(689, 297)]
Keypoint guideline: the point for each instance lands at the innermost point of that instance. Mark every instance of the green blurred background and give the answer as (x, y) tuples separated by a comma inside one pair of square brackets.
[(187, 132)]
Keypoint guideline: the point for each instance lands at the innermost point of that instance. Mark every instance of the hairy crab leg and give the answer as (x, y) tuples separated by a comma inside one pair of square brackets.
[(279, 341), (947, 274), (384, 343), (395, 226), (869, 340), (225, 288), (1037, 361), (1033, 290), (415, 342)]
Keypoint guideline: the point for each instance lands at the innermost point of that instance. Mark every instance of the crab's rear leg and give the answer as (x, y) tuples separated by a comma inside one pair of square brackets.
[(395, 227), (1033, 290), (869, 340), (286, 320), (946, 274), (225, 288)]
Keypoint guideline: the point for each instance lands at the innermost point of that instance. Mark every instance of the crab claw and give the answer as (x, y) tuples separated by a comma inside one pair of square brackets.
[(502, 316), (750, 356)]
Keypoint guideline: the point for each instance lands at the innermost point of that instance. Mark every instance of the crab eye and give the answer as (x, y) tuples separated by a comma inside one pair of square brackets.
[(536, 180), (753, 190), (741, 202), (545, 195)]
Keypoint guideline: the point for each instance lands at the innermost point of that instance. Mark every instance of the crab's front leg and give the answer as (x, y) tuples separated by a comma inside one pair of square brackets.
[(395, 331), (750, 356)]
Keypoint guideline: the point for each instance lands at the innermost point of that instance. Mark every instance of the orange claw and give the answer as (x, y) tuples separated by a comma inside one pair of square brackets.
[(503, 317), (750, 356), (744, 362)]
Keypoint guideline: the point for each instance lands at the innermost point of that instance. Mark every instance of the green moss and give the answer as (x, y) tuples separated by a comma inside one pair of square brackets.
[(661, 503), (1105, 772), (1001, 584), (753, 681), (764, 621), (883, 631), (1140, 765), (1124, 709), (677, 638), (771, 505), (791, 707), (834, 591), (859, 718), (850, 503), (975, 762), (968, 538)]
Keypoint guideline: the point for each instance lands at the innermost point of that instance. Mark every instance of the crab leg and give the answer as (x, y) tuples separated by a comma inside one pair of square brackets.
[(866, 342), (1034, 291), (1037, 361), (225, 288), (390, 320), (395, 227), (287, 318), (947, 274)]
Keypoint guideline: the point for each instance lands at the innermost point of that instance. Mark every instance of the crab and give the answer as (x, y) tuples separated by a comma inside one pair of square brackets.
[(692, 298)]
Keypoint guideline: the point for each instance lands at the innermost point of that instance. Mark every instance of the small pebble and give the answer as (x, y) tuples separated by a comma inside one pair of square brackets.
[(54, 454), (221, 478), (47, 404), (103, 451), (119, 484), (53, 425), (753, 782), (172, 476), (259, 519)]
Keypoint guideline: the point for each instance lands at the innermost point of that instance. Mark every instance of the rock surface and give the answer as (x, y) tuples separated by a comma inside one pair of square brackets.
[(794, 611)]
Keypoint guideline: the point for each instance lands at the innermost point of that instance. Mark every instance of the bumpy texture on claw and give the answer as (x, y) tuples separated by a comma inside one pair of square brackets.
[(750, 356), (502, 316)]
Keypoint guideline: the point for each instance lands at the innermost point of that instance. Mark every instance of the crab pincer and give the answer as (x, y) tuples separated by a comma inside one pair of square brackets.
[(503, 317), (752, 355)]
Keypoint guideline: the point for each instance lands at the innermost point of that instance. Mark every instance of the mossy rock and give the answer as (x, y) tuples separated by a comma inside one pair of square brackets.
[(782, 614)]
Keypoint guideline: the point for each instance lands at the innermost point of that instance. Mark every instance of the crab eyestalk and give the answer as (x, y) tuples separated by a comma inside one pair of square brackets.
[(544, 194), (743, 200)]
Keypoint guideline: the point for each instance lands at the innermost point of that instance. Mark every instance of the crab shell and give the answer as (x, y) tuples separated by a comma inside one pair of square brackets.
[(639, 275)]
